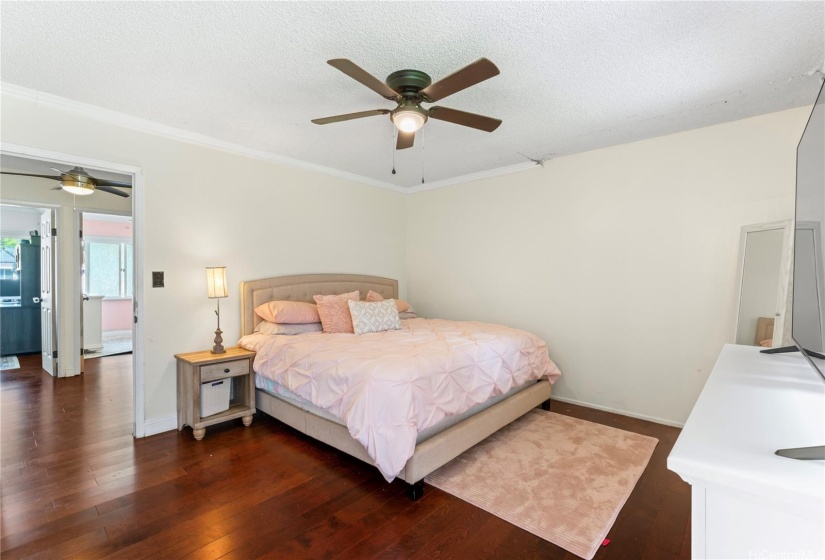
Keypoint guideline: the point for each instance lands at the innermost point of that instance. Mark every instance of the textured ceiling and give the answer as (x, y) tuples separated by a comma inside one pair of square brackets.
[(574, 75)]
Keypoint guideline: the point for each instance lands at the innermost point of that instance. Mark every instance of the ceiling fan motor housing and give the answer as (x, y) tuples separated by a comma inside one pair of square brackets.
[(408, 82), (77, 178)]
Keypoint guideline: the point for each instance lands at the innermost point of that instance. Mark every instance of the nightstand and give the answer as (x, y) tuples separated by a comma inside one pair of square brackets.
[(195, 368)]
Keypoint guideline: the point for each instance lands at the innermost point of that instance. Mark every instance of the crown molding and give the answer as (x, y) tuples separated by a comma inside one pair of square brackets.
[(143, 125), (474, 176)]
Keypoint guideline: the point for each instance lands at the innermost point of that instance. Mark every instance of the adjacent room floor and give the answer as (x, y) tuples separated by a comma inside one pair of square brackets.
[(75, 483), (114, 342)]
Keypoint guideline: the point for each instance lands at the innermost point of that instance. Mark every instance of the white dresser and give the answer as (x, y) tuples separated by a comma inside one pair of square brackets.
[(748, 502), (92, 323)]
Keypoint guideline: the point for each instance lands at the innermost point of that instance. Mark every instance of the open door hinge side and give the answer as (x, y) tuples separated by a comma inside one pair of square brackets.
[(54, 354), (54, 232)]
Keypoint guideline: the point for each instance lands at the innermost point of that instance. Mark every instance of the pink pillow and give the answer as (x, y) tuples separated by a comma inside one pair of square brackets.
[(400, 304), (288, 312), (334, 312)]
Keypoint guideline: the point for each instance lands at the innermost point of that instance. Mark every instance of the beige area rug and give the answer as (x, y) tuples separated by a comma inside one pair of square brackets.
[(561, 478), (114, 342)]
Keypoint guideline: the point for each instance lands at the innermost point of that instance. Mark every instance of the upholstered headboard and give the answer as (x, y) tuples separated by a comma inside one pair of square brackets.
[(303, 287)]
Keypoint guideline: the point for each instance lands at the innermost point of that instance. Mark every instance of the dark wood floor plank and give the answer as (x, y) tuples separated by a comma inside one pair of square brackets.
[(75, 484)]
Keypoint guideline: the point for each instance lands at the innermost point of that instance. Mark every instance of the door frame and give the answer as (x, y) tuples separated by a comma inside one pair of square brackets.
[(785, 275), (77, 224), (138, 229)]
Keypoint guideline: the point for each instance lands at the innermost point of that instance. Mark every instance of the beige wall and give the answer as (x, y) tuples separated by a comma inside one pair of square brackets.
[(205, 207), (623, 259)]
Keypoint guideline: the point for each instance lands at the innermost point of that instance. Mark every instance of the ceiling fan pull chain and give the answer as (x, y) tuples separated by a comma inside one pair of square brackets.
[(393, 133)]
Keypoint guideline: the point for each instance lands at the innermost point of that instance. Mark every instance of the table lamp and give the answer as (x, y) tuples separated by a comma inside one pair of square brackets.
[(216, 289)]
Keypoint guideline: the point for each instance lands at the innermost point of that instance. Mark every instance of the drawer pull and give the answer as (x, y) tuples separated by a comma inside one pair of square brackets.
[(226, 370)]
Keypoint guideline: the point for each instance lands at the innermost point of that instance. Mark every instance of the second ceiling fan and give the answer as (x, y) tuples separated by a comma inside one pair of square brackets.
[(409, 89), (77, 181)]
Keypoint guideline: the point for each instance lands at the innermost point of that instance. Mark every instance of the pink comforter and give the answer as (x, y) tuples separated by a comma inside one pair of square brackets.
[(388, 386)]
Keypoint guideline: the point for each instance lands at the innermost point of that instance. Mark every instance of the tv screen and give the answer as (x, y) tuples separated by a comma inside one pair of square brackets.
[(808, 316)]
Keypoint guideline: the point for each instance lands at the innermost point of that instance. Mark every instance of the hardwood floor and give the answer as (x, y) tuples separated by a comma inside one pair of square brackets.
[(76, 484)]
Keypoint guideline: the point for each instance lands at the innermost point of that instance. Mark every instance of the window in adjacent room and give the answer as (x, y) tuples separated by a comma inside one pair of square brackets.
[(108, 270), (8, 260)]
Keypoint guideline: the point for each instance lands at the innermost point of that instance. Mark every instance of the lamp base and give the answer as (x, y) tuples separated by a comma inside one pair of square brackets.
[(218, 348)]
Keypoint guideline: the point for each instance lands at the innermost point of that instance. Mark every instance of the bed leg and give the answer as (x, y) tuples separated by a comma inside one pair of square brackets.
[(545, 405), (415, 490)]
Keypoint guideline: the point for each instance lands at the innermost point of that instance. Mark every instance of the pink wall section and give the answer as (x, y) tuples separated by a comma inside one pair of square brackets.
[(94, 228), (116, 315)]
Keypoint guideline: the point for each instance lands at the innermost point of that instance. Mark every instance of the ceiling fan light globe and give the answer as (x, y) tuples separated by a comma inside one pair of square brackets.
[(408, 120), (79, 189)]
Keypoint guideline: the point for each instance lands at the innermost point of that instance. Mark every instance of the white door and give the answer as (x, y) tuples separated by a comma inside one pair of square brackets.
[(48, 338), (83, 297)]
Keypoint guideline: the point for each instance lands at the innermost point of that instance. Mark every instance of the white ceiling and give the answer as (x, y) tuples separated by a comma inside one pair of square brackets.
[(574, 75)]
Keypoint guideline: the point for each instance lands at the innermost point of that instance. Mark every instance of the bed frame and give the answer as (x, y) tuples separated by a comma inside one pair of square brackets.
[(429, 454)]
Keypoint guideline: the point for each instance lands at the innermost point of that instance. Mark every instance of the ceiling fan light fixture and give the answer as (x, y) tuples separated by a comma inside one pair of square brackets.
[(409, 118), (77, 188)]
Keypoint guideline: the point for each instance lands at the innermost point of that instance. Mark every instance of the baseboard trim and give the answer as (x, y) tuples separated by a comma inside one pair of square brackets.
[(160, 425), (619, 411)]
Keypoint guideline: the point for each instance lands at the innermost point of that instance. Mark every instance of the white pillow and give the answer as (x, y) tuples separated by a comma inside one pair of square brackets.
[(369, 317), (265, 327)]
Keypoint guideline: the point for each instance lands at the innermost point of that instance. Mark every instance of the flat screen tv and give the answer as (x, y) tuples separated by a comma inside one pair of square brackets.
[(808, 309)]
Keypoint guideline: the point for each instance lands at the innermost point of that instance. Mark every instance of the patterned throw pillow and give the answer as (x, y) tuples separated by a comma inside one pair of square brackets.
[(399, 303), (370, 317), (334, 312)]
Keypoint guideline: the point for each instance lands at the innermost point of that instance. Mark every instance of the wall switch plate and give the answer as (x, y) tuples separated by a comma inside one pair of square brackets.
[(157, 279)]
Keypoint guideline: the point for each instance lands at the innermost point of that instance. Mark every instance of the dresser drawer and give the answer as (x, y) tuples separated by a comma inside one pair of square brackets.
[(224, 369)]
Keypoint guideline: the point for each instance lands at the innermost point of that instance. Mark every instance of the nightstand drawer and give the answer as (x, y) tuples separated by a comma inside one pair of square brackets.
[(224, 369)]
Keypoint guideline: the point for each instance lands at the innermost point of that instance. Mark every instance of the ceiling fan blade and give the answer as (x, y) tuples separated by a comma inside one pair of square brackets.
[(30, 175), (57, 187), (472, 74), (112, 190), (107, 183), (350, 116), (358, 74), (487, 124), (405, 140)]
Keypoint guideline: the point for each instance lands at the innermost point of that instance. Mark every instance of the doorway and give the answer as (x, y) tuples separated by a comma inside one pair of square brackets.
[(16, 157), (764, 280), (27, 318), (106, 272)]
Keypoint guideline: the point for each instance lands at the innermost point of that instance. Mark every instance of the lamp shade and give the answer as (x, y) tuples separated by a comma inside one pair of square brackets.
[(216, 282)]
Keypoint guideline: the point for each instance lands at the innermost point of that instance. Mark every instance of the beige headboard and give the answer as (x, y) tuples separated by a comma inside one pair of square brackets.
[(303, 287)]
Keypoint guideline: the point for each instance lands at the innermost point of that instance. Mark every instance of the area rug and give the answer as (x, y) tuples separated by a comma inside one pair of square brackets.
[(9, 362), (114, 342), (561, 478)]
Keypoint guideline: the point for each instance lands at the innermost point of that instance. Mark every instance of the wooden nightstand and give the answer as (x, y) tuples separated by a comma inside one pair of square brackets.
[(195, 368)]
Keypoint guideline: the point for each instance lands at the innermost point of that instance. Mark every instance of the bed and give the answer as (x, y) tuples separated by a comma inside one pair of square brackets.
[(434, 446)]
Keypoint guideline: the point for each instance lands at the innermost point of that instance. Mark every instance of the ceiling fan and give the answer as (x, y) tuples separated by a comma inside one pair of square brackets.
[(78, 181), (409, 89)]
